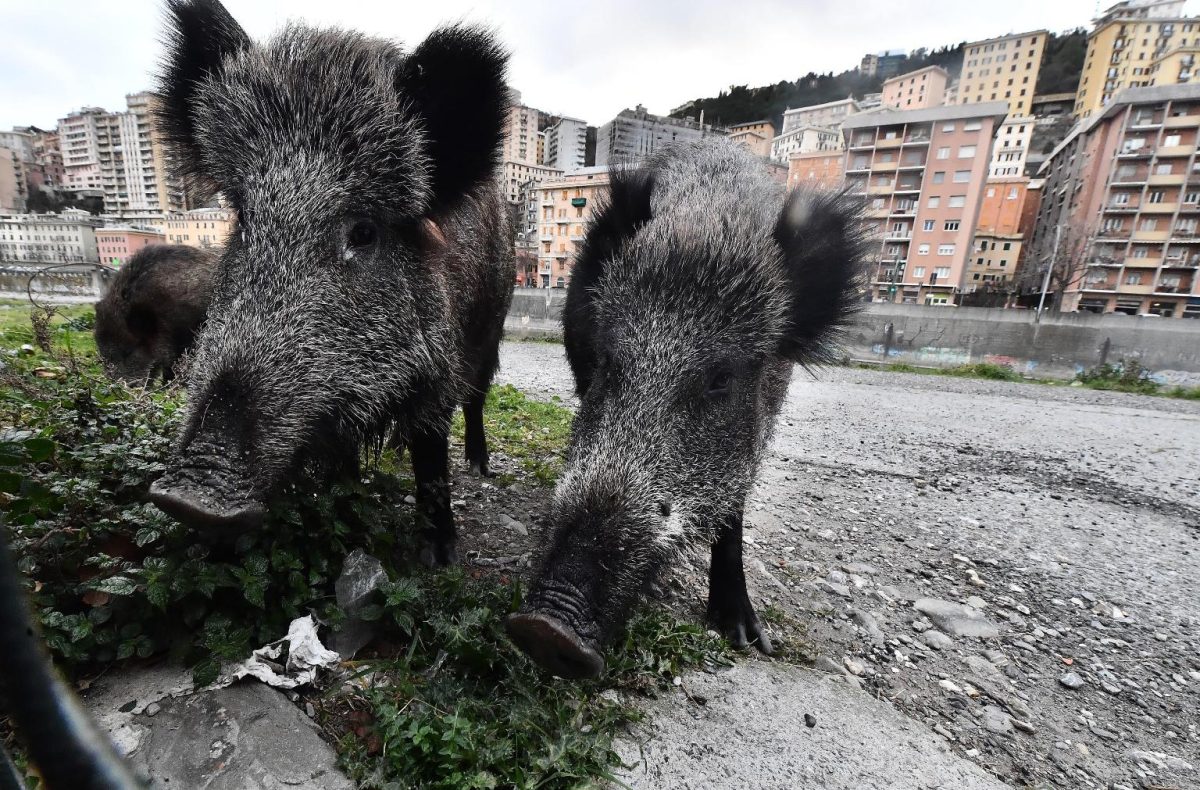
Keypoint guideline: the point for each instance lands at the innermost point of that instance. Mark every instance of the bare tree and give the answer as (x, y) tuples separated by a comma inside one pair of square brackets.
[(1065, 253)]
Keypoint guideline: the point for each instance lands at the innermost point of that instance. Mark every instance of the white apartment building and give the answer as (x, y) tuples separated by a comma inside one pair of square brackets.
[(828, 115), (1011, 147), (636, 133), (566, 145), (514, 175), (521, 136), (805, 140), (69, 237), (79, 134)]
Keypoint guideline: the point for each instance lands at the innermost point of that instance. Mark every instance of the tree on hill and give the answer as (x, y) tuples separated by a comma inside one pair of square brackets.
[(1061, 66)]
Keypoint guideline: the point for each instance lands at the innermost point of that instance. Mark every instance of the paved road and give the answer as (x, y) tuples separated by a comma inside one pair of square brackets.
[(1062, 522)]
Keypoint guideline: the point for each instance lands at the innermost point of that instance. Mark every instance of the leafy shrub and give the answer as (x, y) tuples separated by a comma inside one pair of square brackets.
[(984, 370), (1127, 376)]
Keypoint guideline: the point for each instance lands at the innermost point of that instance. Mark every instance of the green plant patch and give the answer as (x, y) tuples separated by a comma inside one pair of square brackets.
[(459, 706), (534, 432)]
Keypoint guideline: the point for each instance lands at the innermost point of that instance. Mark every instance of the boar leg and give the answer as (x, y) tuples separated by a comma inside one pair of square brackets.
[(729, 609), (476, 439), (430, 451)]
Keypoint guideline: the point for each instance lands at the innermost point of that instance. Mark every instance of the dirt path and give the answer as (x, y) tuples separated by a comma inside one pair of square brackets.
[(898, 518)]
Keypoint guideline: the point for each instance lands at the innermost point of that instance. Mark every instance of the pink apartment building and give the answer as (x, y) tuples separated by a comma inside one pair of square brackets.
[(916, 90), (923, 174), (117, 245)]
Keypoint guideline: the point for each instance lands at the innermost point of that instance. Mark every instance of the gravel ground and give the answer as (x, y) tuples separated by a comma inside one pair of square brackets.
[(1011, 566)]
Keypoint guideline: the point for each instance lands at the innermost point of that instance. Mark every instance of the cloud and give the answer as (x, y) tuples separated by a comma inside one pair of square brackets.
[(589, 60)]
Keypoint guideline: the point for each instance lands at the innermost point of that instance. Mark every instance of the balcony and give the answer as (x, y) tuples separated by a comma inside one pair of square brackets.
[(884, 167), (1103, 285), (1159, 208), (1182, 263), (912, 165), (1140, 288), (1135, 179), (897, 235), (1182, 288), (1142, 263), (1150, 235), (1113, 233), (862, 142), (878, 213), (1132, 152), (859, 167), (1181, 121), (904, 211), (917, 139), (909, 187), (894, 142), (880, 189), (1185, 235), (1121, 207), (1158, 179), (1100, 262), (1146, 122), (1175, 150)]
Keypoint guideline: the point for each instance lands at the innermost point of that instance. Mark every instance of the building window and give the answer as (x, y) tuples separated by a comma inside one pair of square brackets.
[(957, 201), (945, 249), (943, 153), (1133, 278), (962, 176), (929, 224), (966, 151), (923, 249), (951, 224), (919, 271), (939, 177), (935, 201), (942, 272)]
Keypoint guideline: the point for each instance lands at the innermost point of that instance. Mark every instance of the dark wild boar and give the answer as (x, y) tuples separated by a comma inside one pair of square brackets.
[(698, 287), (365, 288), (153, 310)]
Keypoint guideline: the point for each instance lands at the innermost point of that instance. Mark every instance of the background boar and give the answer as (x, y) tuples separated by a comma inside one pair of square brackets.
[(155, 306), (366, 286), (697, 289)]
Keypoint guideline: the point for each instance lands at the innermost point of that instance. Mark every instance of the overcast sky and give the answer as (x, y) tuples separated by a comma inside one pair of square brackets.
[(573, 57)]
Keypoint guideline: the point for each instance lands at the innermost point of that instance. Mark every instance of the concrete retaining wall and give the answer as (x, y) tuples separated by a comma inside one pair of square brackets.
[(1058, 347)]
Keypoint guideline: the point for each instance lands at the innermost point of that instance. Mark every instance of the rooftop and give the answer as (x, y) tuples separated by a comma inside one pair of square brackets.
[(908, 74), (888, 115), (1007, 37), (794, 110)]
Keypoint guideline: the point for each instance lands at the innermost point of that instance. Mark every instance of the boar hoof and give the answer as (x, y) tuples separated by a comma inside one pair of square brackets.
[(739, 624), (438, 554), (480, 469)]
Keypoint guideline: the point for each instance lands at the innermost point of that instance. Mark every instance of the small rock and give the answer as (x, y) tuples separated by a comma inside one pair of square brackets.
[(810, 720), (951, 686), (310, 710), (956, 619), (1071, 680), (853, 667), (412, 500), (362, 575), (1023, 726), (508, 522), (867, 621), (826, 664), (975, 602), (834, 589), (996, 720), (936, 639), (152, 709)]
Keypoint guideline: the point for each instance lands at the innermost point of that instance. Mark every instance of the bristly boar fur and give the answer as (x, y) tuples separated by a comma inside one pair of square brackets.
[(700, 284), (365, 288), (154, 310)]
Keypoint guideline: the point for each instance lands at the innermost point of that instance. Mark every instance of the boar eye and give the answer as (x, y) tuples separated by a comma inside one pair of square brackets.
[(718, 385), (361, 234)]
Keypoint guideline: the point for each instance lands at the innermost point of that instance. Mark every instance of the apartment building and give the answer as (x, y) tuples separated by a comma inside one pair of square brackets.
[(755, 136), (916, 90), (566, 145), (882, 64), (923, 173), (79, 134), (565, 205), (69, 237), (521, 132), (1136, 44), (13, 189), (1006, 216), (803, 140), (1011, 150), (1121, 210), (206, 228), (636, 133), (822, 169), (825, 116), (116, 244), (1003, 69), (514, 175)]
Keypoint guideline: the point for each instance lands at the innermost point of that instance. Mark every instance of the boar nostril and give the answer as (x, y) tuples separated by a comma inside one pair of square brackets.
[(554, 645), (664, 508)]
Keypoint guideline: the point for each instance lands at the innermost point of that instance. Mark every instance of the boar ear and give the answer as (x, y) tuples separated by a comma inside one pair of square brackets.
[(455, 77), (820, 234), (200, 35), (627, 209)]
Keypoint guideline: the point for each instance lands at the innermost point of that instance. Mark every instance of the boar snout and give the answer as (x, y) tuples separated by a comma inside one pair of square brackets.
[(555, 645), (555, 628)]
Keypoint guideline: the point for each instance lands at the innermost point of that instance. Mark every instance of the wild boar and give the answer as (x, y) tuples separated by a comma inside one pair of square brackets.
[(365, 289), (698, 287), (153, 311)]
